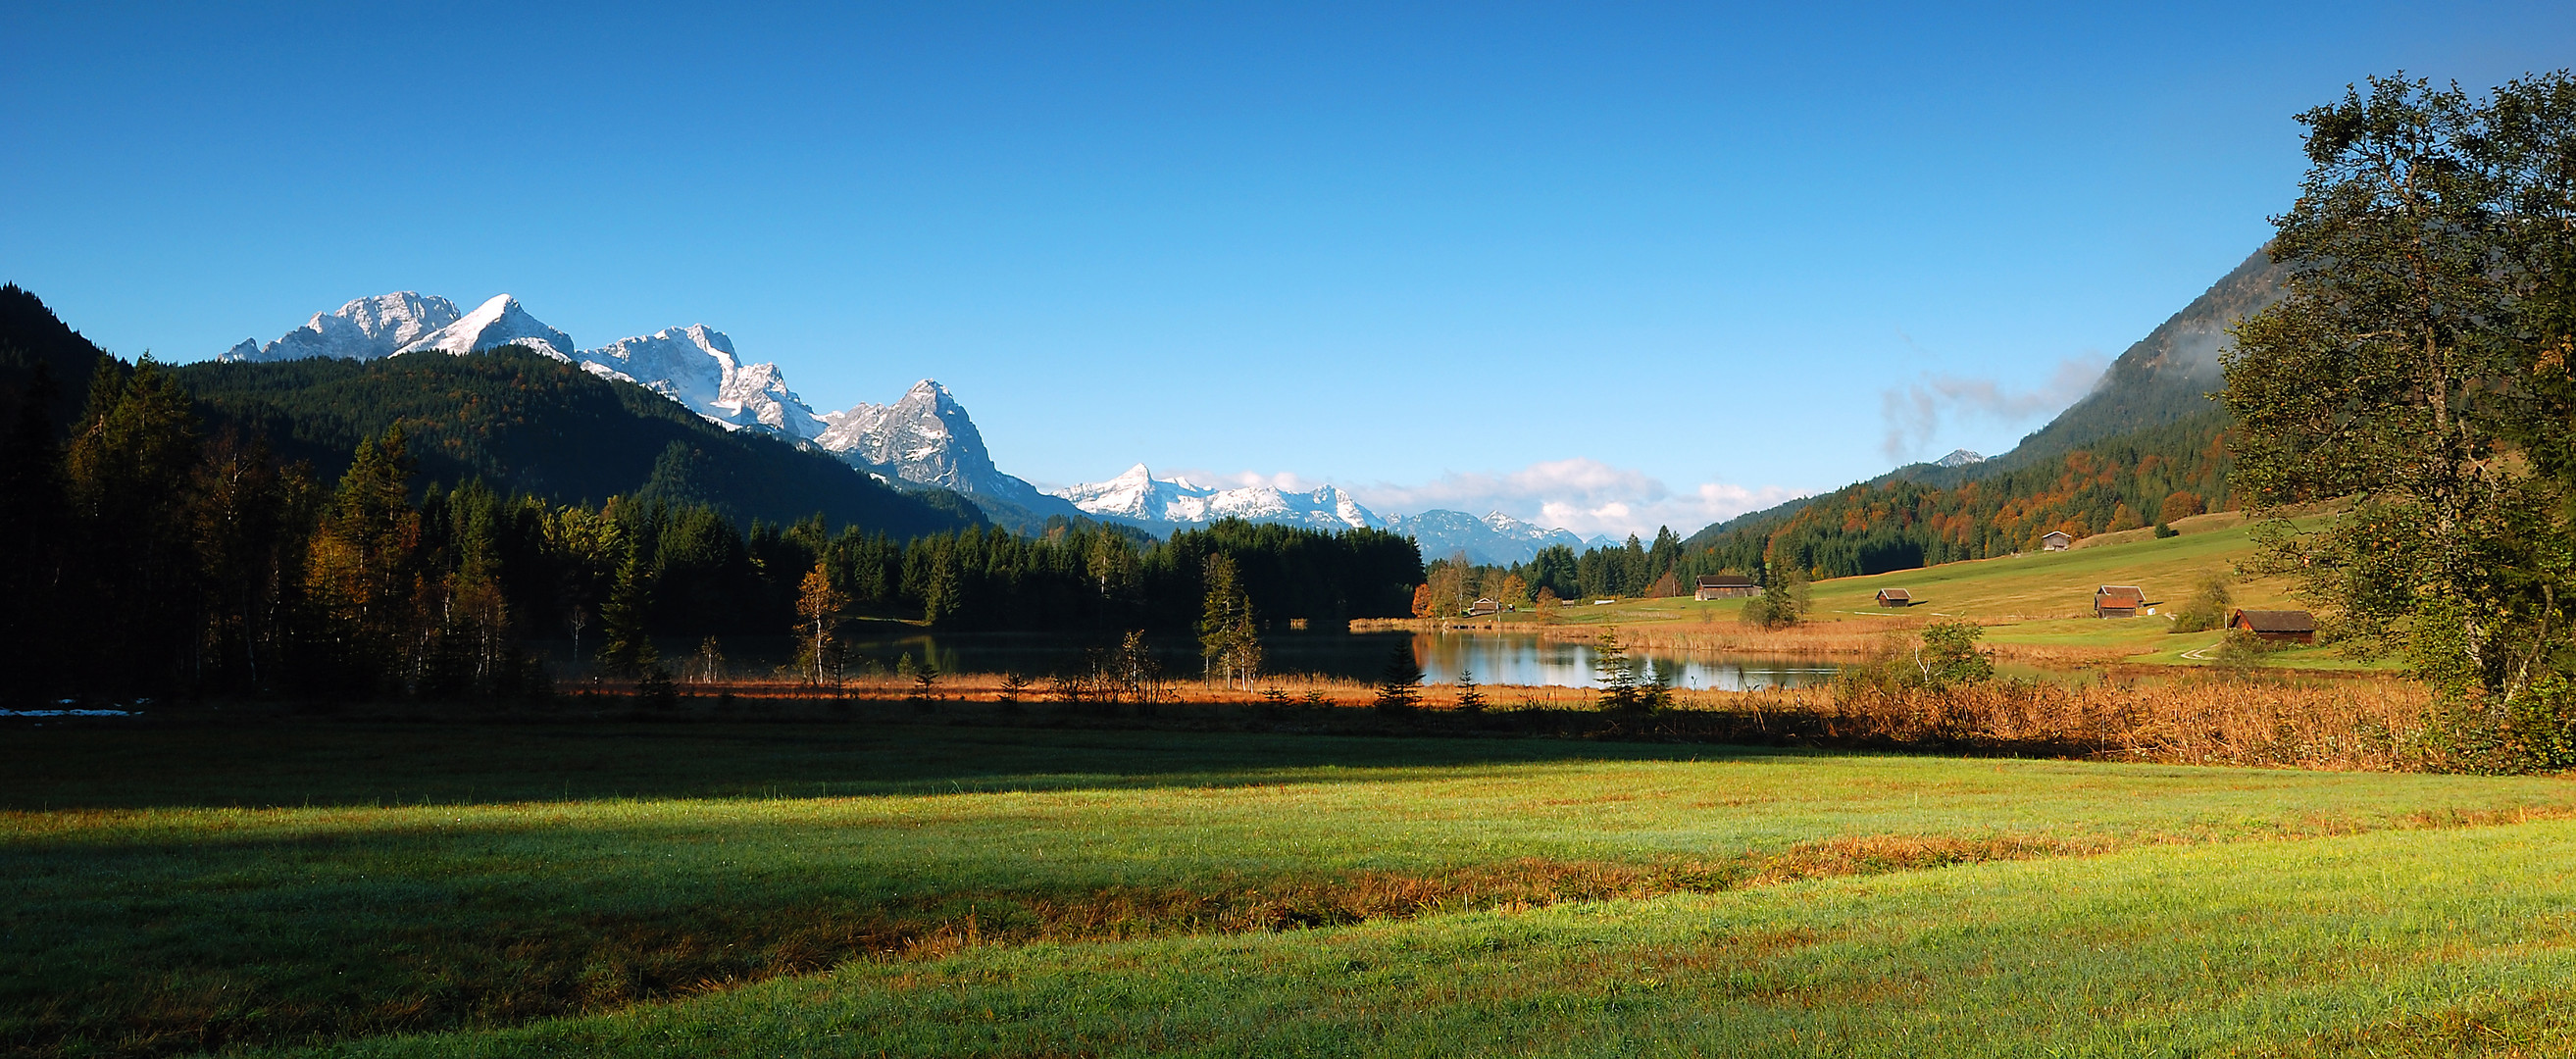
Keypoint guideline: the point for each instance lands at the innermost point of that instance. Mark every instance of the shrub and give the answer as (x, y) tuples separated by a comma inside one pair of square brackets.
[(2207, 607), (2534, 733), (2243, 650), (1947, 654)]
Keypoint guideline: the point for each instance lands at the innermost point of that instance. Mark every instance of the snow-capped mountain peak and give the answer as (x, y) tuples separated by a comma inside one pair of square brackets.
[(1959, 458), (363, 329), (925, 436), (1136, 495), (501, 321), (697, 366)]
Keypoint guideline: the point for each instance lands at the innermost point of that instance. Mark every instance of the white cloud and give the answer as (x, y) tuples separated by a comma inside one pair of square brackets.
[(1916, 412), (1581, 494)]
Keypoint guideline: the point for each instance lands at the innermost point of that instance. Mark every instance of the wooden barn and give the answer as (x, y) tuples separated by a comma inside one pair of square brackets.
[(1483, 607), (2293, 626), (2056, 541), (1724, 586), (2118, 601), (1895, 597)]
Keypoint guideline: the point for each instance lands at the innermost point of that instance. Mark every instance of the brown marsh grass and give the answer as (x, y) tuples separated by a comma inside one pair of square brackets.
[(2337, 722)]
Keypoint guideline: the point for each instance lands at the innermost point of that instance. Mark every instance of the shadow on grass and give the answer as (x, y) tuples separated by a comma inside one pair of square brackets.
[(323, 763)]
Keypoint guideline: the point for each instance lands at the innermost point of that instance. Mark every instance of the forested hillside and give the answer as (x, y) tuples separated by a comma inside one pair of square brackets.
[(528, 424), (2144, 477), (35, 346), (519, 422), (2147, 445)]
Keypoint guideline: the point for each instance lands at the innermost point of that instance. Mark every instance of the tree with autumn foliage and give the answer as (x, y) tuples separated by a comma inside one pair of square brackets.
[(818, 621), (2419, 367), (363, 572)]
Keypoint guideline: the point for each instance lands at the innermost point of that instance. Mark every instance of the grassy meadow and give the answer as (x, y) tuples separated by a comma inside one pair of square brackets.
[(2036, 607), (873, 888)]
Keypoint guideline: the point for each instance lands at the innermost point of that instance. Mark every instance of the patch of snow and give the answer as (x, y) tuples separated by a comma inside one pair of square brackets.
[(697, 367), (501, 321)]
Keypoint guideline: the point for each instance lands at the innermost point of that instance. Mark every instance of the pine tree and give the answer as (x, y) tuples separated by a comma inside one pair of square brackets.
[(251, 522), (628, 647), (1620, 687), (1228, 642), (128, 472), (1399, 686), (363, 569), (1469, 698)]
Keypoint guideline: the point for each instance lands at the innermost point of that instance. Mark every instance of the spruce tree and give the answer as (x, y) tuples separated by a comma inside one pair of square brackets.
[(1399, 686), (628, 647), (128, 472), (1227, 640)]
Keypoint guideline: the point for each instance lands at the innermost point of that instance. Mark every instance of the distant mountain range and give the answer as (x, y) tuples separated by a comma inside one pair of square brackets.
[(1138, 498), (925, 438)]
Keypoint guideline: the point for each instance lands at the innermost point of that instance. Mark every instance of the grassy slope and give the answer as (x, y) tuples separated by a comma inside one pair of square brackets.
[(148, 929), (2043, 598)]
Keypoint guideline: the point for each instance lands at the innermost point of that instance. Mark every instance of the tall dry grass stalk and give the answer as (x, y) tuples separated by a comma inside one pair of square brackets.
[(2344, 724), (1854, 636), (2188, 717)]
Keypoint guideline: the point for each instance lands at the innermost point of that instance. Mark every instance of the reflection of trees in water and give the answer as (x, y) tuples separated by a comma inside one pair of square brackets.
[(1527, 660), (1508, 659)]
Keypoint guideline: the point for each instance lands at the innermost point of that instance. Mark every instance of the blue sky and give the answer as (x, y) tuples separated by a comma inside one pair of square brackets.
[(1604, 268)]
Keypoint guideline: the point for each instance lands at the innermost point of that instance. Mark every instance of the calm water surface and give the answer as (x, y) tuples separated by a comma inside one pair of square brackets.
[(1493, 658)]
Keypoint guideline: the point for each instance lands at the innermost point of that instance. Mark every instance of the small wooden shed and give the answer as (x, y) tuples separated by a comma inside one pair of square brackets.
[(2118, 601), (1483, 607), (1895, 597), (2293, 626), (1724, 586), (2056, 541)]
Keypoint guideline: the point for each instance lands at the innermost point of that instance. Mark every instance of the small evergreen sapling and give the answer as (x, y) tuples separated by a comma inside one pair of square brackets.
[(1399, 688), (1469, 698)]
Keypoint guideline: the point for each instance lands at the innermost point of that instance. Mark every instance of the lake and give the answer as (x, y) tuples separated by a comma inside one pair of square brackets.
[(1493, 658)]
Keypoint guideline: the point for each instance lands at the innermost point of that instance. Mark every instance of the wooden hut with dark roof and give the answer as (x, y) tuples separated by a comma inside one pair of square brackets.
[(1724, 586), (1895, 597), (2291, 626), (2118, 601)]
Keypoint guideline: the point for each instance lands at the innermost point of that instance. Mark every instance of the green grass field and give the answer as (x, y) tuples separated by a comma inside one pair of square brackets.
[(870, 889)]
